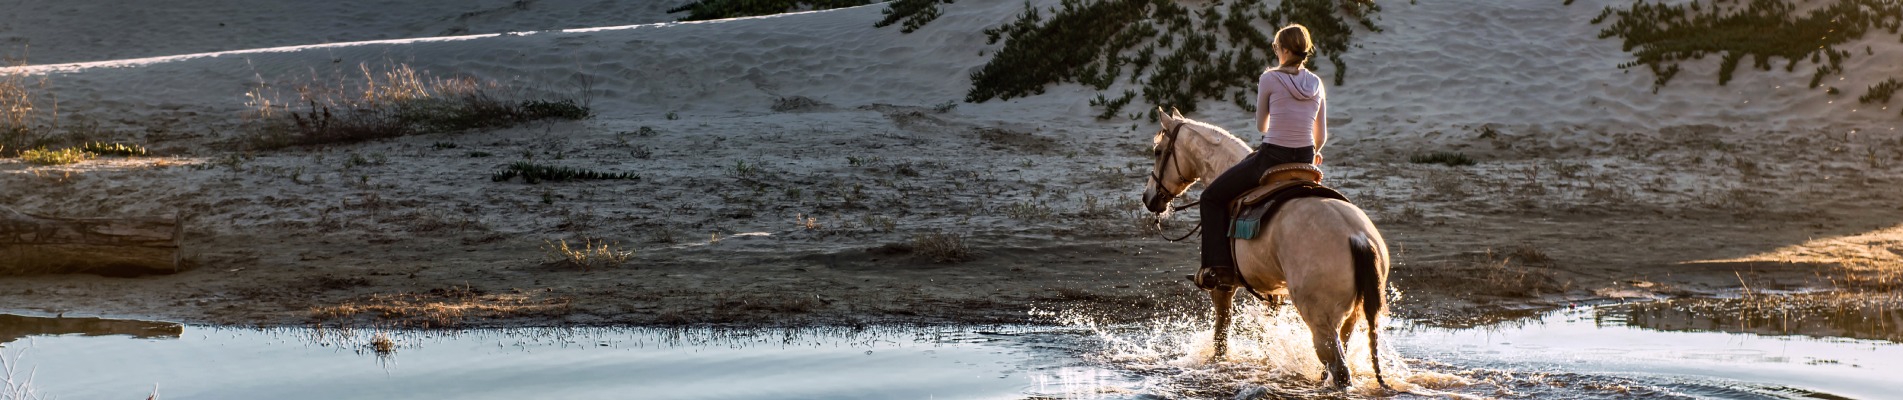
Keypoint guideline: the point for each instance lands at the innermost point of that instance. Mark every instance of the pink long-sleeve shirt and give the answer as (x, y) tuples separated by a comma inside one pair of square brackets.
[(1291, 110)]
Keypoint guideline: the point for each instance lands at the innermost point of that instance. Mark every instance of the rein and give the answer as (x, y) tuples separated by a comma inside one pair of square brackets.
[(1168, 158)]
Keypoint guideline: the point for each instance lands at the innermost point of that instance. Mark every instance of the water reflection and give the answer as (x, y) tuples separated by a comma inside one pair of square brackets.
[(1822, 315), (15, 327)]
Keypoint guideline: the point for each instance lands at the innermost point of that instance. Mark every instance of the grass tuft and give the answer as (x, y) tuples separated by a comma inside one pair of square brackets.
[(590, 256), (382, 344), (113, 149), (533, 173)]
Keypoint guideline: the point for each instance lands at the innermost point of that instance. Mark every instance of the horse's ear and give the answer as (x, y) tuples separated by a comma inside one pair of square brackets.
[(1177, 114), (1159, 111)]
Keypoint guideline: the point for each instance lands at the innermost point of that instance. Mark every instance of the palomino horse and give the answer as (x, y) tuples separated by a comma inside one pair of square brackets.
[(1323, 253)]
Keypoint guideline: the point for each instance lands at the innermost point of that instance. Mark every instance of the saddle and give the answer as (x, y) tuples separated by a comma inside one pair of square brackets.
[(1281, 183)]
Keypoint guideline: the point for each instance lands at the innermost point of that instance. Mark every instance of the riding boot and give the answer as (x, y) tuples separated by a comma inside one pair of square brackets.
[(1210, 278)]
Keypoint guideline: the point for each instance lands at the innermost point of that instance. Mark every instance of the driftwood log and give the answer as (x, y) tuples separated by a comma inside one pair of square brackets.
[(35, 245)]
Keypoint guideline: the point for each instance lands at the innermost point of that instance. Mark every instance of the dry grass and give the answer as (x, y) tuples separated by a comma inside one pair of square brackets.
[(941, 247), (589, 256), (443, 308), (390, 102), (25, 111)]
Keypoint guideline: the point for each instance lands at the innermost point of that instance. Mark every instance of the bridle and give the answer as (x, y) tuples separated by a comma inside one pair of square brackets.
[(1167, 158)]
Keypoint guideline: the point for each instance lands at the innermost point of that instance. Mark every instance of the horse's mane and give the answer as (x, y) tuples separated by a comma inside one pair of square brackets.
[(1213, 134)]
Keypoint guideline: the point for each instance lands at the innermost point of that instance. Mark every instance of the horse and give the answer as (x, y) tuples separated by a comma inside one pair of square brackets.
[(1323, 253)]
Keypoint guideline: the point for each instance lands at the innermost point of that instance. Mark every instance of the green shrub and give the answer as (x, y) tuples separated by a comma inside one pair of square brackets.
[(1881, 92), (1660, 35), (533, 173), (1451, 159), (915, 13), (1179, 56)]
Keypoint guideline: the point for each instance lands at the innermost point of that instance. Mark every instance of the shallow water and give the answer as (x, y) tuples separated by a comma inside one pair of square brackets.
[(1610, 342), (1581, 353)]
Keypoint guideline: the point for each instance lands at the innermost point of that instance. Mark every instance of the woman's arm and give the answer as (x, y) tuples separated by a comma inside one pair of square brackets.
[(1262, 103), (1321, 125)]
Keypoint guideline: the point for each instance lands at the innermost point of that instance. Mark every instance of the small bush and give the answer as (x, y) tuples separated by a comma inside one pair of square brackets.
[(1451, 159), (55, 157), (533, 173), (941, 247)]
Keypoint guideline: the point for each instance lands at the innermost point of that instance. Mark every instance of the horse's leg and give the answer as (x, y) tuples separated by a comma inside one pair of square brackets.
[(1224, 299), (1324, 323), (1328, 348)]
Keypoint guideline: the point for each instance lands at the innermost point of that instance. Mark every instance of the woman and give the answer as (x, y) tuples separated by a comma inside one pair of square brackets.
[(1291, 112)]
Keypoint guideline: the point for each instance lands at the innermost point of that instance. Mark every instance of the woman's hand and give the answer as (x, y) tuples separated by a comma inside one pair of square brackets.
[(1318, 158)]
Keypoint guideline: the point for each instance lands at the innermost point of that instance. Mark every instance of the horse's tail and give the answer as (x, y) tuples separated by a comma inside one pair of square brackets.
[(1373, 298)]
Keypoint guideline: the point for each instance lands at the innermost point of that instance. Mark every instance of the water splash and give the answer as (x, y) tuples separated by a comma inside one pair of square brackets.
[(1269, 347)]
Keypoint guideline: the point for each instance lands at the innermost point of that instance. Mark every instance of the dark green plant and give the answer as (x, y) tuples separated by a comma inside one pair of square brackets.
[(562, 109), (1881, 92), (1112, 107), (915, 13), (1451, 159), (533, 173)]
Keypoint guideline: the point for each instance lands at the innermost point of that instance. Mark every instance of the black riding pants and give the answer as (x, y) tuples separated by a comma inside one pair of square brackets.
[(1226, 187)]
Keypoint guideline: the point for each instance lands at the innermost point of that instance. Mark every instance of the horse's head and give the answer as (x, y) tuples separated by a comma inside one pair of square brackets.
[(1168, 178)]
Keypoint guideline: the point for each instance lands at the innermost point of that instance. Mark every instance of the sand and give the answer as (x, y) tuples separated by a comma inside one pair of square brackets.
[(755, 208)]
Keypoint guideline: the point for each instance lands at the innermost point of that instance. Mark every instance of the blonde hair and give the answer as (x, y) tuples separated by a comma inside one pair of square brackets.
[(1295, 39)]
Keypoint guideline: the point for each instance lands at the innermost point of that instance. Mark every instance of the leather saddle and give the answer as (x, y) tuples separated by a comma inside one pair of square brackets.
[(1281, 183)]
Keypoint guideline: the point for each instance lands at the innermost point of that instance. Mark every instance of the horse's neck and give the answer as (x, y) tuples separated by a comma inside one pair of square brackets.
[(1218, 154)]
